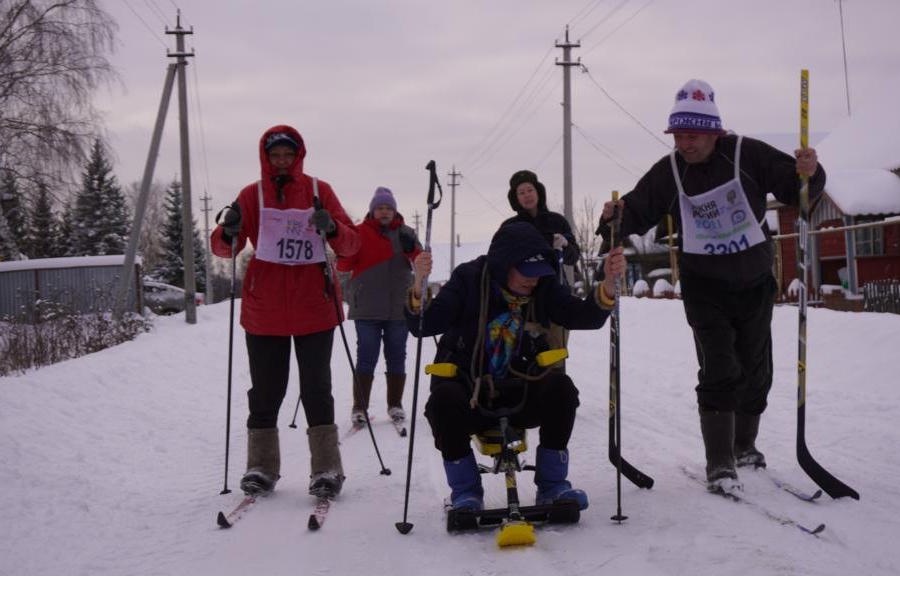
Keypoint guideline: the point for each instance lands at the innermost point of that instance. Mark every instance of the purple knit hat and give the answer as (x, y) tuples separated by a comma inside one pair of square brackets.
[(382, 197)]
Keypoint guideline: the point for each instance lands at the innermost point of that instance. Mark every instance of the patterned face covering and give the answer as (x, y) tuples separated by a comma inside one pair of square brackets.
[(503, 335)]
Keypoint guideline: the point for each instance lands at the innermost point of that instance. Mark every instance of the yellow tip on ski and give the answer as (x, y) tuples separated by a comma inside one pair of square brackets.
[(517, 533)]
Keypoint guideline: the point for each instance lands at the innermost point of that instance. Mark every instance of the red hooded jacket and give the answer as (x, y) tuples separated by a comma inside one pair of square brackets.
[(282, 299)]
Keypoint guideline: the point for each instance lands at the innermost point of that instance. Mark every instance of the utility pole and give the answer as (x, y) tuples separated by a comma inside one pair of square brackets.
[(566, 63), (453, 175), (208, 256), (174, 68), (417, 219), (187, 230), (141, 204)]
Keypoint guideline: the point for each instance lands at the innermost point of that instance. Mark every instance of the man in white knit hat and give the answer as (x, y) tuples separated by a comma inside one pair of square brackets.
[(714, 186)]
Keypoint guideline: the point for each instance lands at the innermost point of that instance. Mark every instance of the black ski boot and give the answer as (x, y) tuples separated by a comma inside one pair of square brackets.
[(718, 438), (745, 453)]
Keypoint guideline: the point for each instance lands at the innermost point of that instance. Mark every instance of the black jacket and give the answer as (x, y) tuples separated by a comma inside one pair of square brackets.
[(454, 312), (548, 223), (764, 170)]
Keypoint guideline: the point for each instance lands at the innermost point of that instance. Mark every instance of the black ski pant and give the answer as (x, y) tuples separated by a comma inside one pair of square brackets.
[(550, 404), (733, 337), (270, 366)]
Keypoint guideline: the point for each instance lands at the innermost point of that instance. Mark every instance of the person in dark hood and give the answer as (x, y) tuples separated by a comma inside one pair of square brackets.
[(285, 301), (714, 186), (380, 273), (493, 315), (528, 198)]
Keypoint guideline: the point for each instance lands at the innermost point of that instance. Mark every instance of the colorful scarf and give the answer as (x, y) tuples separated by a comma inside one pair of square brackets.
[(503, 334)]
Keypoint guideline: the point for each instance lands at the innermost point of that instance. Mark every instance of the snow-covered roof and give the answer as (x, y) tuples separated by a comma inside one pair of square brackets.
[(870, 191), (65, 262), (868, 139)]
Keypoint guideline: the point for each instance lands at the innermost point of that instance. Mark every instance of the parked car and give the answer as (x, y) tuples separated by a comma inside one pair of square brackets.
[(165, 299)]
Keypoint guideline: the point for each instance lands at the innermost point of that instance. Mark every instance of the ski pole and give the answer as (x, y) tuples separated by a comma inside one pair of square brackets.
[(623, 467), (614, 373), (225, 489), (405, 526), (331, 288), (833, 486)]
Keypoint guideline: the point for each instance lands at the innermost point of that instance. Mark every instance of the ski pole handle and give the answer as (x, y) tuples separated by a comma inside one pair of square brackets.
[(433, 182), (804, 108)]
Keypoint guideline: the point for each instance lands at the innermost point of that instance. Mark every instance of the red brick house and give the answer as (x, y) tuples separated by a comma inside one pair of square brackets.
[(862, 160)]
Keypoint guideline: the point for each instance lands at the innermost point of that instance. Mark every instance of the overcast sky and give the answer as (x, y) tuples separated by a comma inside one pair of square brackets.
[(379, 88)]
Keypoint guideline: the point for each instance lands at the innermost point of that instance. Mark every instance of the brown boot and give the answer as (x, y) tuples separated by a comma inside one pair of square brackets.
[(362, 389), (326, 472), (395, 384), (263, 461), (718, 438)]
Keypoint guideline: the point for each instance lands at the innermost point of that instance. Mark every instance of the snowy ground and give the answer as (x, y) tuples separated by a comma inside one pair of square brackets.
[(112, 465)]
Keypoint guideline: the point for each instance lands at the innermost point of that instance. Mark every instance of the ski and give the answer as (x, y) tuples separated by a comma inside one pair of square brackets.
[(789, 488), (226, 521), (355, 428), (399, 426), (756, 507), (317, 518)]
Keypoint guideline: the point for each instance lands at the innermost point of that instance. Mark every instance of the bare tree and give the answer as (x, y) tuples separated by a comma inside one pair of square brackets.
[(52, 58), (150, 243), (588, 241)]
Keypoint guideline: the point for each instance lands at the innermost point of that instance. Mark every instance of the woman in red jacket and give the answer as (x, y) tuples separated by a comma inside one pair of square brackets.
[(285, 296)]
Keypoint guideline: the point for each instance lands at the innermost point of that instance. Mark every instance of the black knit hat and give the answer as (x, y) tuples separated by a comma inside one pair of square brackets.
[(280, 138), (520, 177)]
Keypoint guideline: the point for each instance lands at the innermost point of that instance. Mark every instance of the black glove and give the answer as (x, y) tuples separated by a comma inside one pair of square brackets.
[(321, 220), (407, 239), (230, 220)]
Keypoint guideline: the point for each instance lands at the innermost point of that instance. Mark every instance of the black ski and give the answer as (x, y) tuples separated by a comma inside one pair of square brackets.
[(226, 521), (758, 508), (317, 518)]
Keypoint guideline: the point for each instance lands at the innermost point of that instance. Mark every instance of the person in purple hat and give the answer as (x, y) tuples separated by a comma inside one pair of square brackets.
[(379, 275), (714, 186), (493, 316)]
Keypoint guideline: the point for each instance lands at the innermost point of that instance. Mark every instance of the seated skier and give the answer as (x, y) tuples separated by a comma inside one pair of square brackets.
[(494, 314)]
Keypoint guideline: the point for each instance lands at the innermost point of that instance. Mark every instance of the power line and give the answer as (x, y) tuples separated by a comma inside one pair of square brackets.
[(508, 131), (156, 11), (623, 109), (537, 166), (468, 182), (199, 125), (577, 16), (604, 19), (141, 19), (511, 105), (620, 26), (605, 151)]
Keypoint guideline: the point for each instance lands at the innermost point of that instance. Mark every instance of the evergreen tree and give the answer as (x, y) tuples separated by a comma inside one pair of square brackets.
[(66, 245), (14, 209), (9, 250), (100, 215), (44, 235), (170, 267)]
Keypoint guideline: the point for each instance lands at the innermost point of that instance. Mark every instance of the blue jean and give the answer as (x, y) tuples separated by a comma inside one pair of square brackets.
[(369, 334)]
